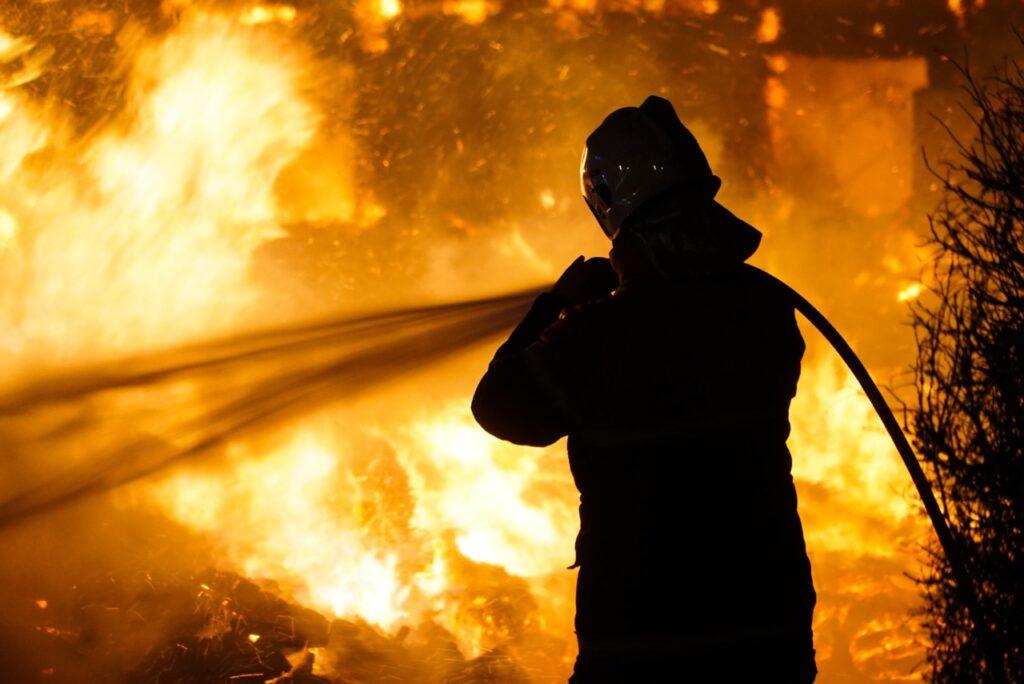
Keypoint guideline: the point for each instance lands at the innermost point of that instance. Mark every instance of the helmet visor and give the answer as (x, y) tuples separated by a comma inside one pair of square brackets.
[(597, 194)]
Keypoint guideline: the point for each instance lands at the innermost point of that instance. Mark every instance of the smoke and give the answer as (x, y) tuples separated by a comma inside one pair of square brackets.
[(149, 412)]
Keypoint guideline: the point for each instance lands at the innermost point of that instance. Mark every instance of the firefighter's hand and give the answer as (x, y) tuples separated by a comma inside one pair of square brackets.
[(585, 280)]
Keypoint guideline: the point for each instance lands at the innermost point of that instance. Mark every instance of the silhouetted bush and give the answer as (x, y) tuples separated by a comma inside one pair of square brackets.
[(968, 424)]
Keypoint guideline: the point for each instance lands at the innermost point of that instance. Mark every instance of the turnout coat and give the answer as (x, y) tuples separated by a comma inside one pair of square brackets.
[(674, 397)]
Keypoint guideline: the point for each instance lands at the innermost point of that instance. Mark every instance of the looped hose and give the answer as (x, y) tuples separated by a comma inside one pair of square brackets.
[(948, 541)]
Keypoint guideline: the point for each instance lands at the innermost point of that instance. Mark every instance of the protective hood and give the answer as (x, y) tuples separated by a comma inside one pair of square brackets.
[(638, 153)]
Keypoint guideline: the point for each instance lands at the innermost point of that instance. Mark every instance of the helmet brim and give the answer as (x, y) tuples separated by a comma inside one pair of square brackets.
[(739, 239)]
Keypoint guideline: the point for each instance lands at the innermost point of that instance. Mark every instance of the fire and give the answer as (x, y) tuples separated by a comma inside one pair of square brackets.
[(144, 230), (175, 194), (8, 229), (92, 23), (265, 14), (12, 47), (276, 517), (775, 93), (466, 481), (839, 444), (910, 292), (770, 26), (547, 199), (389, 8), (471, 11), (382, 536)]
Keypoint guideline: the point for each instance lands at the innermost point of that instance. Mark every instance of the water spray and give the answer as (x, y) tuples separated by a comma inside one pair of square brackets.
[(136, 422)]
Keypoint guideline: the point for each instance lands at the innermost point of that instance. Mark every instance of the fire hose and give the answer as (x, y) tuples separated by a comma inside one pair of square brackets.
[(947, 540)]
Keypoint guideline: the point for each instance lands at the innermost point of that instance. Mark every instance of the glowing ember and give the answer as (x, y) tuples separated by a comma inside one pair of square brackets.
[(911, 291), (264, 14), (547, 199), (770, 26), (389, 9), (471, 11)]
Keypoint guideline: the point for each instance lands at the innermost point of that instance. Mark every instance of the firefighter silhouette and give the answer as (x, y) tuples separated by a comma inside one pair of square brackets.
[(670, 367)]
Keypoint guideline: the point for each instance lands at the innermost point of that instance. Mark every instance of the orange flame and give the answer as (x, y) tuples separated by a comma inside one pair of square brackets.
[(142, 234)]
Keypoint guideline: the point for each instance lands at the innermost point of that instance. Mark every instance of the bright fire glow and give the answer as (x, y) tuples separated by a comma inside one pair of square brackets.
[(471, 11), (143, 233), (264, 14), (770, 26), (480, 487), (910, 292), (390, 8), (276, 518), (177, 192)]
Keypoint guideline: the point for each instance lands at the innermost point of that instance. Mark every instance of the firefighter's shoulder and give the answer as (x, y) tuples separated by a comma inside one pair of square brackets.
[(764, 290)]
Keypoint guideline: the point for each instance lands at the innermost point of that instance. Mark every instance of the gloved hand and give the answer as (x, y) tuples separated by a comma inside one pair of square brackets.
[(584, 281)]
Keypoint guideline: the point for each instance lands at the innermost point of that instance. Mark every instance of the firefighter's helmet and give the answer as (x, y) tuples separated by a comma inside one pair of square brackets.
[(638, 153)]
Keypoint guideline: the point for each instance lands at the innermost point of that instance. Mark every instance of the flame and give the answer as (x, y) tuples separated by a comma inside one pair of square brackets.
[(12, 47), (265, 14), (470, 11), (775, 93), (153, 218), (770, 26), (276, 518), (480, 488), (841, 446), (93, 23), (337, 529), (389, 9), (910, 292), (142, 232)]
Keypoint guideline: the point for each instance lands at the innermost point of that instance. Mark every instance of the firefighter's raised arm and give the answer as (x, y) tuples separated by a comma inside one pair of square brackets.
[(525, 397)]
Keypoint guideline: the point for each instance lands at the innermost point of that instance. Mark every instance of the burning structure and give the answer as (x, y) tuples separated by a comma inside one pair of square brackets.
[(176, 170)]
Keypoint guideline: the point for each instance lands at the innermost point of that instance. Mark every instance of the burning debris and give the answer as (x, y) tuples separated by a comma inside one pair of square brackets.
[(238, 632), (220, 627)]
